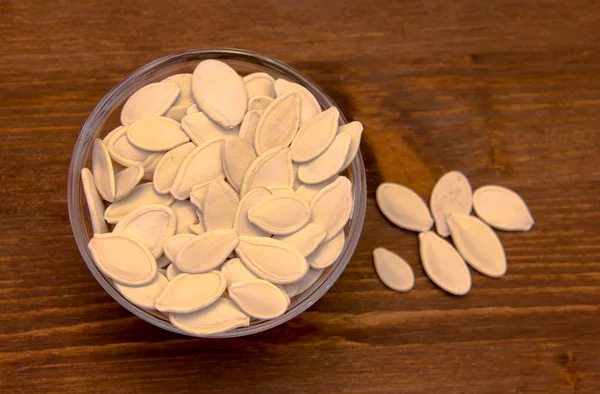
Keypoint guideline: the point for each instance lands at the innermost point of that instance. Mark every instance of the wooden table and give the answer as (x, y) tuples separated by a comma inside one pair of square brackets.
[(507, 92)]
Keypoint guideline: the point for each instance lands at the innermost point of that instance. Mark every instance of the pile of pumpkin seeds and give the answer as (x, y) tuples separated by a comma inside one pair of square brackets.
[(244, 209)]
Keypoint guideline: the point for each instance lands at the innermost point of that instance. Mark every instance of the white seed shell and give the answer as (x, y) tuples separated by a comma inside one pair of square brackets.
[(111, 134), (172, 271), (184, 81), (162, 262), (168, 165), (327, 253), (271, 259), (259, 102), (191, 292), (443, 265), (151, 224), (143, 194), (237, 156), (104, 175), (124, 152), (305, 240), (220, 205), (151, 100), (308, 192), (272, 168), (219, 92), (328, 164), (315, 135), (144, 296), (259, 84), (287, 298), (94, 202), (331, 206), (307, 281), (175, 243), (241, 224), (200, 128), (403, 207), (502, 208), (126, 180), (206, 251), (393, 271), (123, 258), (186, 216), (150, 165), (451, 193), (355, 130), (235, 271), (280, 214), (291, 289), (478, 244), (198, 194), (259, 299), (156, 134), (202, 164), (248, 127), (279, 123), (309, 106), (177, 112), (222, 315)]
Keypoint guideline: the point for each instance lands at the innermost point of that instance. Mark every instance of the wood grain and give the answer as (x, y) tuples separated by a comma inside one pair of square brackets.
[(505, 91)]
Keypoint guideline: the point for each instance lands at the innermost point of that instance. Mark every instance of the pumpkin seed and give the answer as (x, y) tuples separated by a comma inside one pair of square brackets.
[(222, 315), (143, 194), (94, 202), (393, 271), (403, 207), (104, 175), (478, 244), (123, 258), (272, 168), (451, 193), (279, 123), (443, 265), (219, 92), (144, 296), (315, 136), (206, 252), (126, 180), (151, 100), (328, 164), (502, 208), (191, 292), (220, 205), (237, 156), (202, 164), (309, 106), (280, 214), (241, 224), (200, 128), (271, 259), (259, 84), (151, 224), (259, 299), (168, 165), (331, 206)]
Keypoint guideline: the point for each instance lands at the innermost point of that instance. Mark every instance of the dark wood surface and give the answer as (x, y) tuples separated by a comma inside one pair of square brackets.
[(506, 91)]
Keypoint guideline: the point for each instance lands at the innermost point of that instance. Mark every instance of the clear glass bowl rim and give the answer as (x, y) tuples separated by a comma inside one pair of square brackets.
[(77, 207)]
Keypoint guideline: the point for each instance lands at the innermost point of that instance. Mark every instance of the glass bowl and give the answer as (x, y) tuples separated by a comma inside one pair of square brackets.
[(105, 117)]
